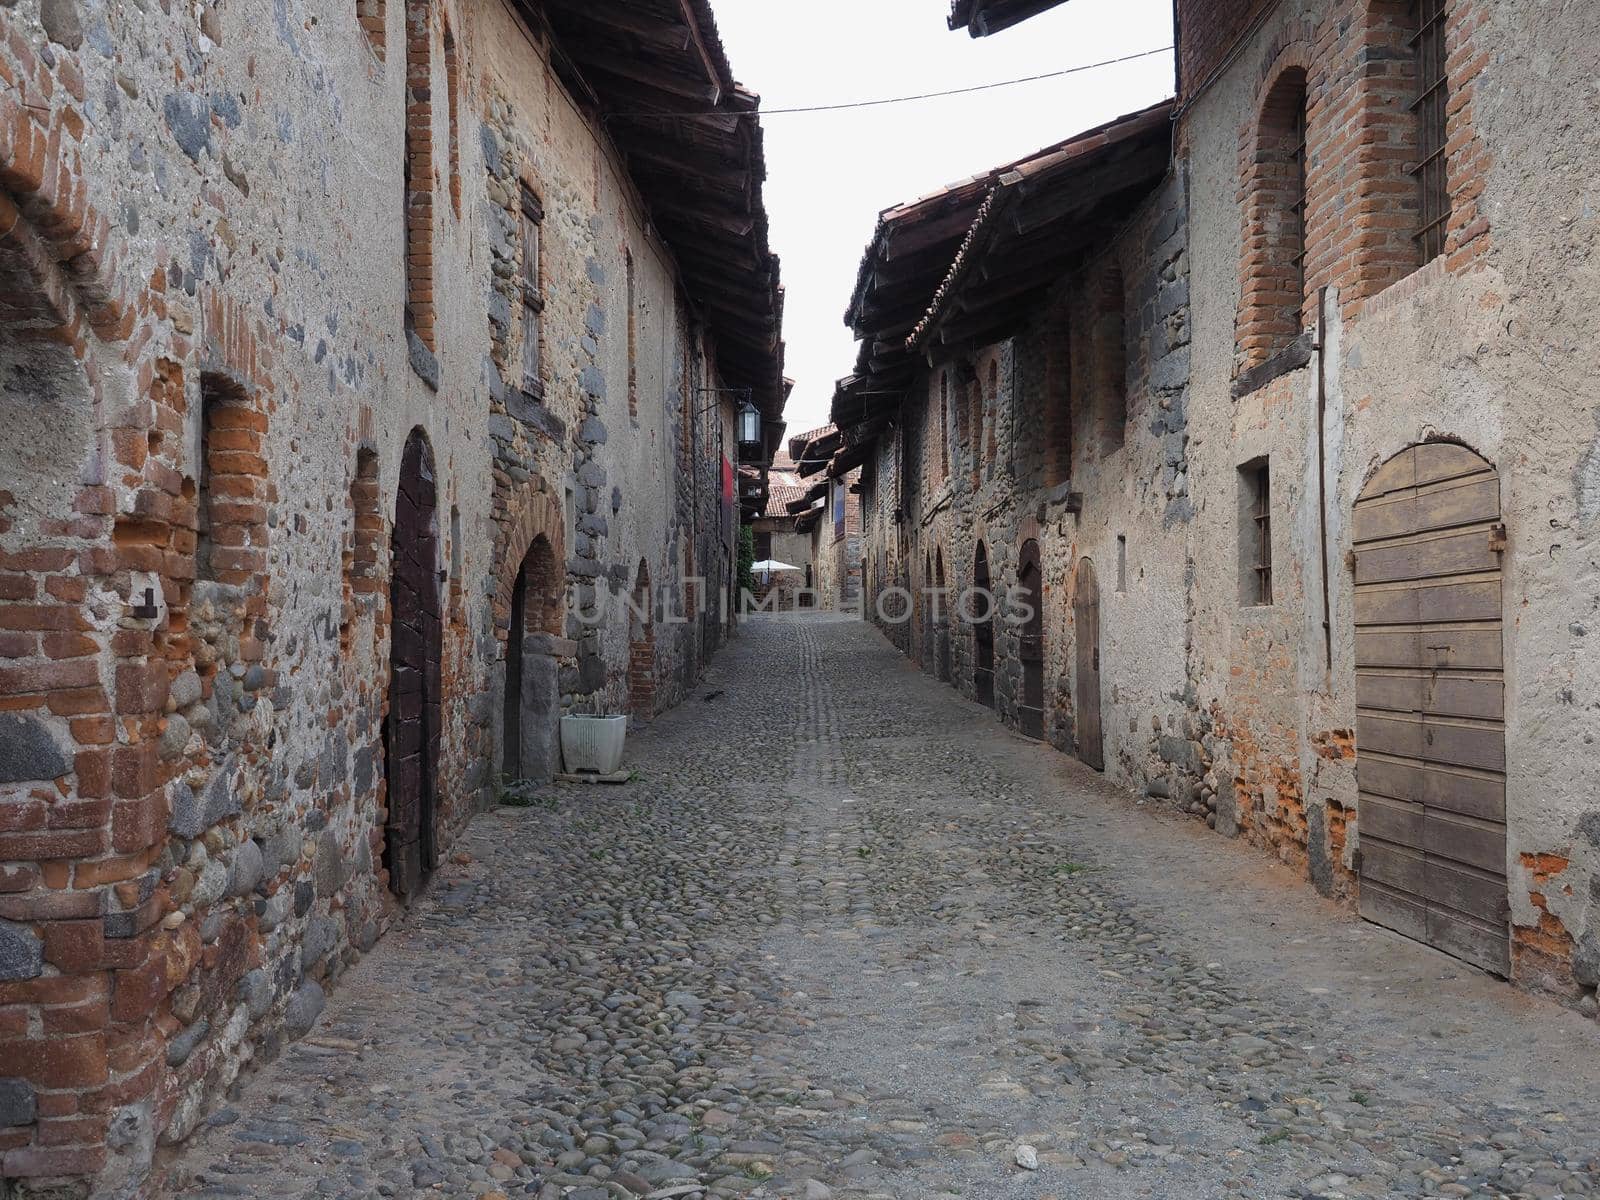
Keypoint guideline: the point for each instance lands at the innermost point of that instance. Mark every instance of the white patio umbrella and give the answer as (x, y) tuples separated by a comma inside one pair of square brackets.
[(768, 567)]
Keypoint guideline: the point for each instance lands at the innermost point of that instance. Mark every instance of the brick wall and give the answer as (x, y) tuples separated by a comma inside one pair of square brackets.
[(1208, 30), (1355, 70), (204, 289)]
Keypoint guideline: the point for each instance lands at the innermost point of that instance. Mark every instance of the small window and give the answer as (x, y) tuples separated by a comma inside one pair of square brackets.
[(532, 293), (1122, 562), (944, 424), (1255, 534), (633, 338), (451, 84), (1111, 359), (1433, 95)]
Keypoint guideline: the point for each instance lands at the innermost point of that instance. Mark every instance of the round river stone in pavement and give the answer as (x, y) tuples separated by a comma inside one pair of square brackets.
[(844, 936)]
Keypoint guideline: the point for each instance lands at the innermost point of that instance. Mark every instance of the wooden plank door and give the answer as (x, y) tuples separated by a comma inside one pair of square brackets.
[(411, 732), (1430, 702), (1030, 641), (1086, 623)]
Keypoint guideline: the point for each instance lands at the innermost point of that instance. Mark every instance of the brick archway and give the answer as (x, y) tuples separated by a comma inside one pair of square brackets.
[(537, 515)]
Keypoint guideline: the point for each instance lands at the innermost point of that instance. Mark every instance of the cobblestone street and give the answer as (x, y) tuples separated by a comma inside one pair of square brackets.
[(814, 951)]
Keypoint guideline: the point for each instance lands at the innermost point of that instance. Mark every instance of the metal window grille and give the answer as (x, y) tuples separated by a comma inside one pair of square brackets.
[(1261, 517), (1429, 106)]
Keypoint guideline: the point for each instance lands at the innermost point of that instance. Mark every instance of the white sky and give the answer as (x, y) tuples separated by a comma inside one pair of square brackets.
[(829, 174)]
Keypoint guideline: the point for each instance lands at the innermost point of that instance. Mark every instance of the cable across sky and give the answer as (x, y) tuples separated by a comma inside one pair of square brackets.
[(879, 103)]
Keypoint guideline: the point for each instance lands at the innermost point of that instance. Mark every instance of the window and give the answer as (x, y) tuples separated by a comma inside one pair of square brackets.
[(839, 500), (1255, 534), (451, 82), (418, 176), (1057, 458), (1111, 358), (1122, 562), (532, 294), (944, 424), (1274, 269), (1432, 96), (457, 550), (633, 337), (763, 546), (993, 423)]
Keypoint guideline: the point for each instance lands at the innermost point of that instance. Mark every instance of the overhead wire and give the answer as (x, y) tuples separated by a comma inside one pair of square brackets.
[(886, 100)]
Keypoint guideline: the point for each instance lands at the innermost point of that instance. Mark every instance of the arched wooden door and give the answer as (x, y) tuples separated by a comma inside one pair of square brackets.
[(1430, 726), (981, 607), (1030, 642), (411, 733), (532, 701), (941, 619), (1086, 634)]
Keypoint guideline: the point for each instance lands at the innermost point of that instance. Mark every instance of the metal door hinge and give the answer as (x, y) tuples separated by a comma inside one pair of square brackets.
[(1497, 538)]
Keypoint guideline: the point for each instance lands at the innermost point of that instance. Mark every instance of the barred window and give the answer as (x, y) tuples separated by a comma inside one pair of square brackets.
[(532, 295), (1255, 534), (1433, 94)]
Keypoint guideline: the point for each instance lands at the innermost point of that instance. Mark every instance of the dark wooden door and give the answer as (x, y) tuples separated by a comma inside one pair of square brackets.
[(981, 606), (1030, 643), (516, 646), (1430, 725), (411, 733), (1086, 630)]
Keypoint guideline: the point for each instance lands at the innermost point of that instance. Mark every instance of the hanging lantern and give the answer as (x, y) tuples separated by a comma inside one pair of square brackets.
[(749, 425)]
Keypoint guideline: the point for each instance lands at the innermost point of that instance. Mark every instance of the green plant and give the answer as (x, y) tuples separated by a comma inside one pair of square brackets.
[(1272, 1139), (747, 559)]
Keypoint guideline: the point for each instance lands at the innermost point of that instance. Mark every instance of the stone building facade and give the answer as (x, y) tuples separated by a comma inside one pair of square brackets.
[(356, 367), (1330, 585)]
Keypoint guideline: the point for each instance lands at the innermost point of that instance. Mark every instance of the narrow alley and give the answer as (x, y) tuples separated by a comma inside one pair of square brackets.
[(869, 943)]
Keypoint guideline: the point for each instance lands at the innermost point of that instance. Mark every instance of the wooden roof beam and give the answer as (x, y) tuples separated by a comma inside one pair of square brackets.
[(686, 9), (598, 61)]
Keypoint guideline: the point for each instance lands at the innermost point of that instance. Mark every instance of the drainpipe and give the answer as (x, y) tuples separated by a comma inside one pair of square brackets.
[(1322, 473)]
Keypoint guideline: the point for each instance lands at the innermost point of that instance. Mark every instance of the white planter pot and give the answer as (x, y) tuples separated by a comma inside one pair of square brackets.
[(593, 743)]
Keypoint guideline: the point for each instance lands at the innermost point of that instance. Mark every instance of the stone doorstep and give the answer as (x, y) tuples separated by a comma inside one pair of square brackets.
[(593, 777)]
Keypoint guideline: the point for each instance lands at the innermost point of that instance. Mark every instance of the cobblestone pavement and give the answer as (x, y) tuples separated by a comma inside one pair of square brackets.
[(844, 936)]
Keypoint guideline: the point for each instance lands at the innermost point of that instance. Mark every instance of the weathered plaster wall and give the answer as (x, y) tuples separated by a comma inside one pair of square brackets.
[(1487, 346)]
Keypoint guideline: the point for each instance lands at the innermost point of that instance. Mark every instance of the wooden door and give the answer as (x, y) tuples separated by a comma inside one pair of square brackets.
[(411, 732), (1430, 725), (1030, 644), (1086, 625)]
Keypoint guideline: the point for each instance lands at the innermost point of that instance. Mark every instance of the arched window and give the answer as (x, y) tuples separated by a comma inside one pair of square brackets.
[(417, 211), (451, 84), (1274, 266)]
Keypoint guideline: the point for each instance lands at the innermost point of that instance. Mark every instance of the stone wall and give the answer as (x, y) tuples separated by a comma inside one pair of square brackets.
[(1239, 709), (207, 369), (1482, 346), (1022, 417)]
